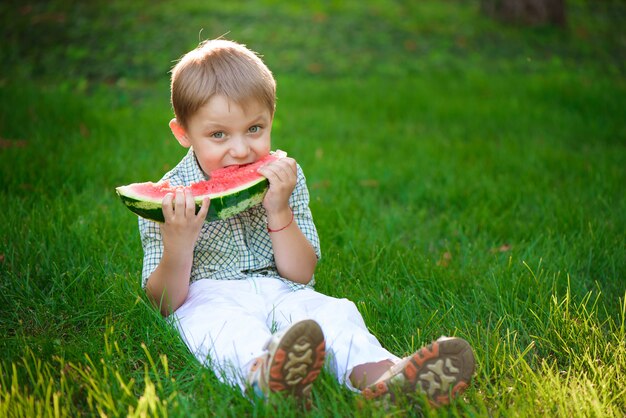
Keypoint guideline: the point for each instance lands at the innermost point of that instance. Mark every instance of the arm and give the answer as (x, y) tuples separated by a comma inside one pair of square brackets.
[(168, 284), (293, 253)]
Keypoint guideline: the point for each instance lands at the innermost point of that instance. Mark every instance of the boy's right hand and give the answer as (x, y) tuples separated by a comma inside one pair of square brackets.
[(182, 225)]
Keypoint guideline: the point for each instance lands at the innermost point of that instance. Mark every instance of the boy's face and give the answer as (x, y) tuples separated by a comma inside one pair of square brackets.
[(223, 133)]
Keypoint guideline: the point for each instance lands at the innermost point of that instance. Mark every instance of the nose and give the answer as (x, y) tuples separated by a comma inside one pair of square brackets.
[(239, 147)]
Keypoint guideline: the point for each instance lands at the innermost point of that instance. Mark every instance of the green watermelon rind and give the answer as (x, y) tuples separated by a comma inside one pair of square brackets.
[(222, 206)]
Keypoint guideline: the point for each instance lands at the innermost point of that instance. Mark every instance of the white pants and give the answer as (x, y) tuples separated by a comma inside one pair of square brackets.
[(226, 323)]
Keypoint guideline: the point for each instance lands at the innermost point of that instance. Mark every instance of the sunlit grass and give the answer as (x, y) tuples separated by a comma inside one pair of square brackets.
[(485, 202)]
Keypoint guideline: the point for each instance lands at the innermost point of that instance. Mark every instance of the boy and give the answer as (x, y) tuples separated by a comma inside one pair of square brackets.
[(228, 284)]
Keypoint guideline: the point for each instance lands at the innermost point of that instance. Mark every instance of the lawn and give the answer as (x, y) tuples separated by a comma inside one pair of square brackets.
[(466, 177)]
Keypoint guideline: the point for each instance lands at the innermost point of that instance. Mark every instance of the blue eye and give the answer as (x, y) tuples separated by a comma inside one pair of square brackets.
[(254, 129), (218, 135)]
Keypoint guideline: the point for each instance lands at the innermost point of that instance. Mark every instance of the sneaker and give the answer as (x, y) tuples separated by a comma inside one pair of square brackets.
[(293, 361), (441, 371)]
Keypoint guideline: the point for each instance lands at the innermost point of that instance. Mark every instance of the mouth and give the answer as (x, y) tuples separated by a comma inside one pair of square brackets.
[(240, 165), (237, 165)]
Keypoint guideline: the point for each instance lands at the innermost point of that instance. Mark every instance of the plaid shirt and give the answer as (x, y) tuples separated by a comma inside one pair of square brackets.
[(231, 249)]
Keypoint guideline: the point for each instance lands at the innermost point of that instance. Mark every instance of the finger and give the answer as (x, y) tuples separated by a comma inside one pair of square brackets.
[(204, 209), (190, 204), (179, 202), (286, 164), (288, 167), (168, 208), (267, 172), (264, 168), (291, 163), (286, 173), (277, 172), (270, 173)]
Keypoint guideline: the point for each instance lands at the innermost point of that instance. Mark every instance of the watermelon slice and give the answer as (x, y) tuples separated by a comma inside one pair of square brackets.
[(231, 189)]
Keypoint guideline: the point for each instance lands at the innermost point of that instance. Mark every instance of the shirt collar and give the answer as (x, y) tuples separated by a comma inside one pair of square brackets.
[(194, 167)]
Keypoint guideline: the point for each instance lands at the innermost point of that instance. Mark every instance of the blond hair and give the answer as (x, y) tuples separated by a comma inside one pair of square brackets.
[(220, 67)]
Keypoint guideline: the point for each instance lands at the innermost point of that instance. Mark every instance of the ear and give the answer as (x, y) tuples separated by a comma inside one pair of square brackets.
[(180, 133)]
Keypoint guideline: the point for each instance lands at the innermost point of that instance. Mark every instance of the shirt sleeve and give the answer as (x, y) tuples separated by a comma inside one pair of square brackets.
[(299, 202), (152, 244)]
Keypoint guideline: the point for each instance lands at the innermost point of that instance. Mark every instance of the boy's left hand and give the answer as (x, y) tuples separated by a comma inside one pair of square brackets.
[(282, 175)]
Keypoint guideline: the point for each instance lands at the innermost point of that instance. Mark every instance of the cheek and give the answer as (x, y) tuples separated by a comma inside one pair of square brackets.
[(264, 146), (212, 155)]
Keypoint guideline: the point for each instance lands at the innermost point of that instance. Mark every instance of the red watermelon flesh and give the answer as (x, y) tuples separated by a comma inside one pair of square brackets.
[(221, 180), (233, 176), (231, 190)]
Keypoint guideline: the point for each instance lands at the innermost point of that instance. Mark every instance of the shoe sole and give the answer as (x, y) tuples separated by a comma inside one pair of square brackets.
[(441, 370), (298, 359)]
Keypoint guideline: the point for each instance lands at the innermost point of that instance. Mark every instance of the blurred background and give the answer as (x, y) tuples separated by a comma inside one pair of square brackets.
[(442, 109), (465, 160), (128, 42)]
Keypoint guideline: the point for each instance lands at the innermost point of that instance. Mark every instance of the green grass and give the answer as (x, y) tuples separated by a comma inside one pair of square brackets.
[(466, 178)]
